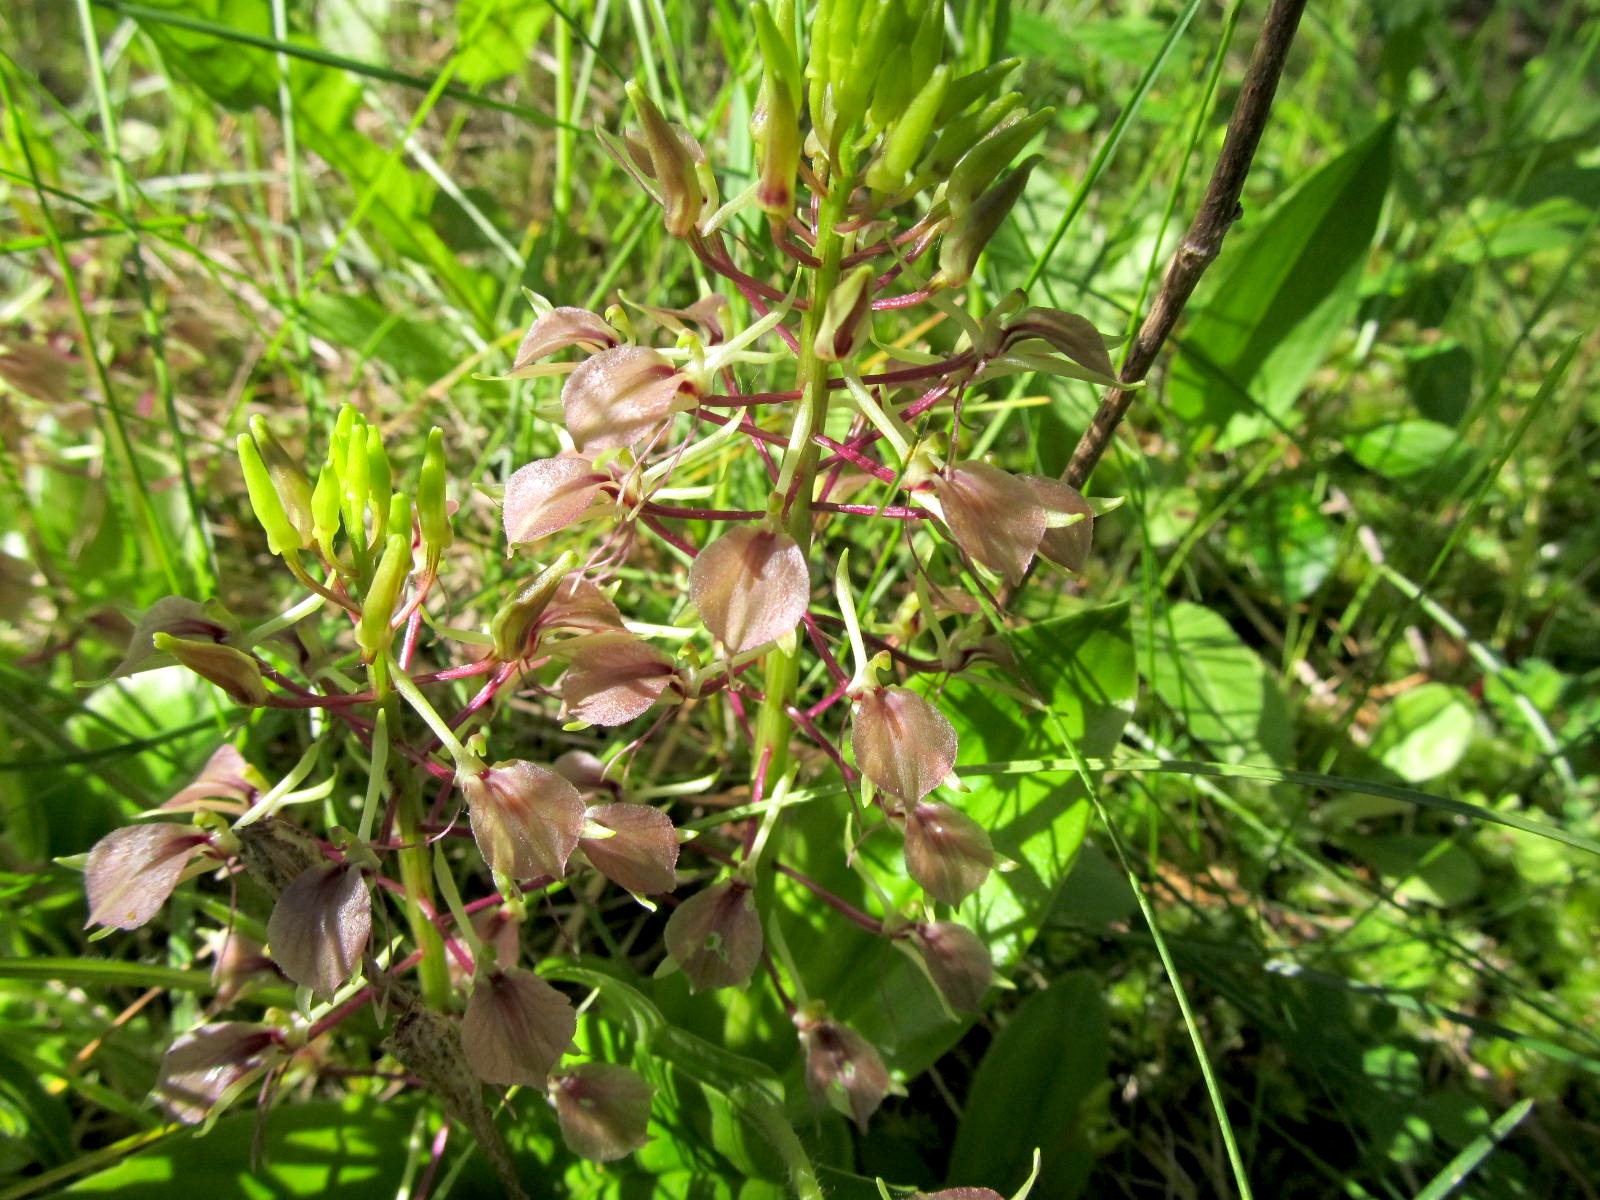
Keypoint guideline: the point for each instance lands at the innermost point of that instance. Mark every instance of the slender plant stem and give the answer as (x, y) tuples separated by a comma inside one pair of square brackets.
[(1203, 241), (795, 481)]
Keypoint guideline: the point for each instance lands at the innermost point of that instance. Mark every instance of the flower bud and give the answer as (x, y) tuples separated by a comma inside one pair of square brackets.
[(433, 510), (206, 1065), (960, 134), (234, 671), (558, 329), (526, 819), (512, 627), (957, 961), (673, 165), (642, 853), (131, 871), (714, 936), (380, 485), (751, 586), (992, 516), (847, 318), (775, 130), (613, 678), (289, 480), (499, 932), (549, 494), (621, 397), (903, 144), (276, 852), (915, 54), (516, 1028), (283, 535), (902, 743), (603, 1110), (373, 633), (947, 852), (179, 617), (980, 167), (843, 1071), (972, 86), (1066, 545), (319, 927), (960, 247), (326, 500)]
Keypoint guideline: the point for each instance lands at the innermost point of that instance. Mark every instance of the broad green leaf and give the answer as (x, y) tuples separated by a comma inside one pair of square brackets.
[(1082, 666), (1424, 732), (1034, 1088), (1215, 685), (504, 41), (354, 1149), (1420, 452), (1274, 307)]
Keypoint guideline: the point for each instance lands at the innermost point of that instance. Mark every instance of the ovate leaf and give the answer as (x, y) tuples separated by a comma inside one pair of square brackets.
[(1274, 306)]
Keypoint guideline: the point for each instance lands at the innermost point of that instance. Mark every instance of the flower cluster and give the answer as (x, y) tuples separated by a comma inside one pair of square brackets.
[(879, 191)]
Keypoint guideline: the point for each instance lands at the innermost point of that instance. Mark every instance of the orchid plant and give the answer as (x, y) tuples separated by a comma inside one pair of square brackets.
[(692, 631)]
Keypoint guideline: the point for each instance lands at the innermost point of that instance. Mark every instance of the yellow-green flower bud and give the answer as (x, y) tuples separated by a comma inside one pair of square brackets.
[(433, 514), (381, 481), (775, 128), (288, 478), (981, 166), (961, 246), (906, 77), (907, 136), (282, 536), (400, 514), (672, 164), (962, 133), (516, 619), (325, 500), (232, 670), (778, 59), (973, 86), (373, 633), (847, 319)]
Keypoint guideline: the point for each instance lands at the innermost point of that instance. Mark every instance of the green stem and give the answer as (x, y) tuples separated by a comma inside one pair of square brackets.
[(416, 868), (798, 475)]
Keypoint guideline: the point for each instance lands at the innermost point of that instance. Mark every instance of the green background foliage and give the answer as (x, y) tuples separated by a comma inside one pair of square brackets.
[(1273, 778)]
